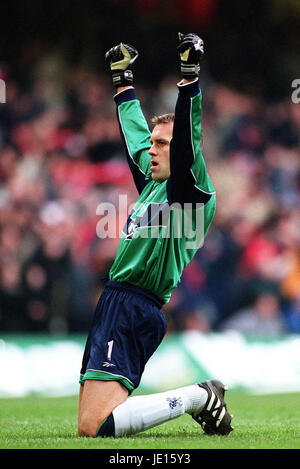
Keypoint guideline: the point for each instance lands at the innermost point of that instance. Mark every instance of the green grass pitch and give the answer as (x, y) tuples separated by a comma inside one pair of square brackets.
[(261, 422)]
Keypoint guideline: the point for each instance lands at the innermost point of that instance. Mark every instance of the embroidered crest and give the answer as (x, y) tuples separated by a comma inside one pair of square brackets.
[(174, 402)]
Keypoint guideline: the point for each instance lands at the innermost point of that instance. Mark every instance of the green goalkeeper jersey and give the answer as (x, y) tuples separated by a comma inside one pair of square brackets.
[(171, 218)]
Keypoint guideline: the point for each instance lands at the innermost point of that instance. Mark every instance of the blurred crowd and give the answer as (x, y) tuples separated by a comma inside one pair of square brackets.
[(61, 156)]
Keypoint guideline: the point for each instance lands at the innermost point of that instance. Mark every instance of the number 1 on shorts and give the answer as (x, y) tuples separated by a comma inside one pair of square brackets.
[(110, 347)]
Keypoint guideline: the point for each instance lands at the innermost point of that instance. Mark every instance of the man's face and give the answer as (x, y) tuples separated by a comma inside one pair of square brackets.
[(160, 151)]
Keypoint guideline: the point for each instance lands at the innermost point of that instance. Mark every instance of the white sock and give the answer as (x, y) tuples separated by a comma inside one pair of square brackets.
[(139, 413)]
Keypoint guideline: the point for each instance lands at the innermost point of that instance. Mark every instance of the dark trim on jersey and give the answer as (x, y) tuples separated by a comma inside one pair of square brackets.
[(181, 185), (138, 176), (125, 95)]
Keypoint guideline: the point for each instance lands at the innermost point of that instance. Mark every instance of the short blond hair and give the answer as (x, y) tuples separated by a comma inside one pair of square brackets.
[(163, 118)]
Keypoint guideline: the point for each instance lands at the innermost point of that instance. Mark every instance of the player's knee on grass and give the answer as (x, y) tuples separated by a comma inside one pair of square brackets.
[(97, 401), (92, 427), (88, 424)]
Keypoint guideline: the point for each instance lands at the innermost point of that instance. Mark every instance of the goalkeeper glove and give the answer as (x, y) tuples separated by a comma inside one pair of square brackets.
[(120, 58), (191, 50)]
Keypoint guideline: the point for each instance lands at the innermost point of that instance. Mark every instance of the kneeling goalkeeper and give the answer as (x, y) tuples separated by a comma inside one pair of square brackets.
[(168, 170)]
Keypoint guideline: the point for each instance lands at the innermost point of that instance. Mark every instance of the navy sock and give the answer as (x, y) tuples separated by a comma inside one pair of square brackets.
[(107, 428)]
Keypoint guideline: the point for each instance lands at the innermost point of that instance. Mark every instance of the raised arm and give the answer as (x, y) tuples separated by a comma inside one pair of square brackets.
[(134, 129), (189, 180)]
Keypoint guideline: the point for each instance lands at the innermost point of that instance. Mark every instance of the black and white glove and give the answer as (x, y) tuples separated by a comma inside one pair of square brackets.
[(121, 58), (191, 50)]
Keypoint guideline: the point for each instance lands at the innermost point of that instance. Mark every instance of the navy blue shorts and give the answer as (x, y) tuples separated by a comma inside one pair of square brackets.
[(127, 328)]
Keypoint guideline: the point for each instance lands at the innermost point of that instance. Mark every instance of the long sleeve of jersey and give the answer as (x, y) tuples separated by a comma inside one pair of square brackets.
[(135, 135), (189, 181)]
